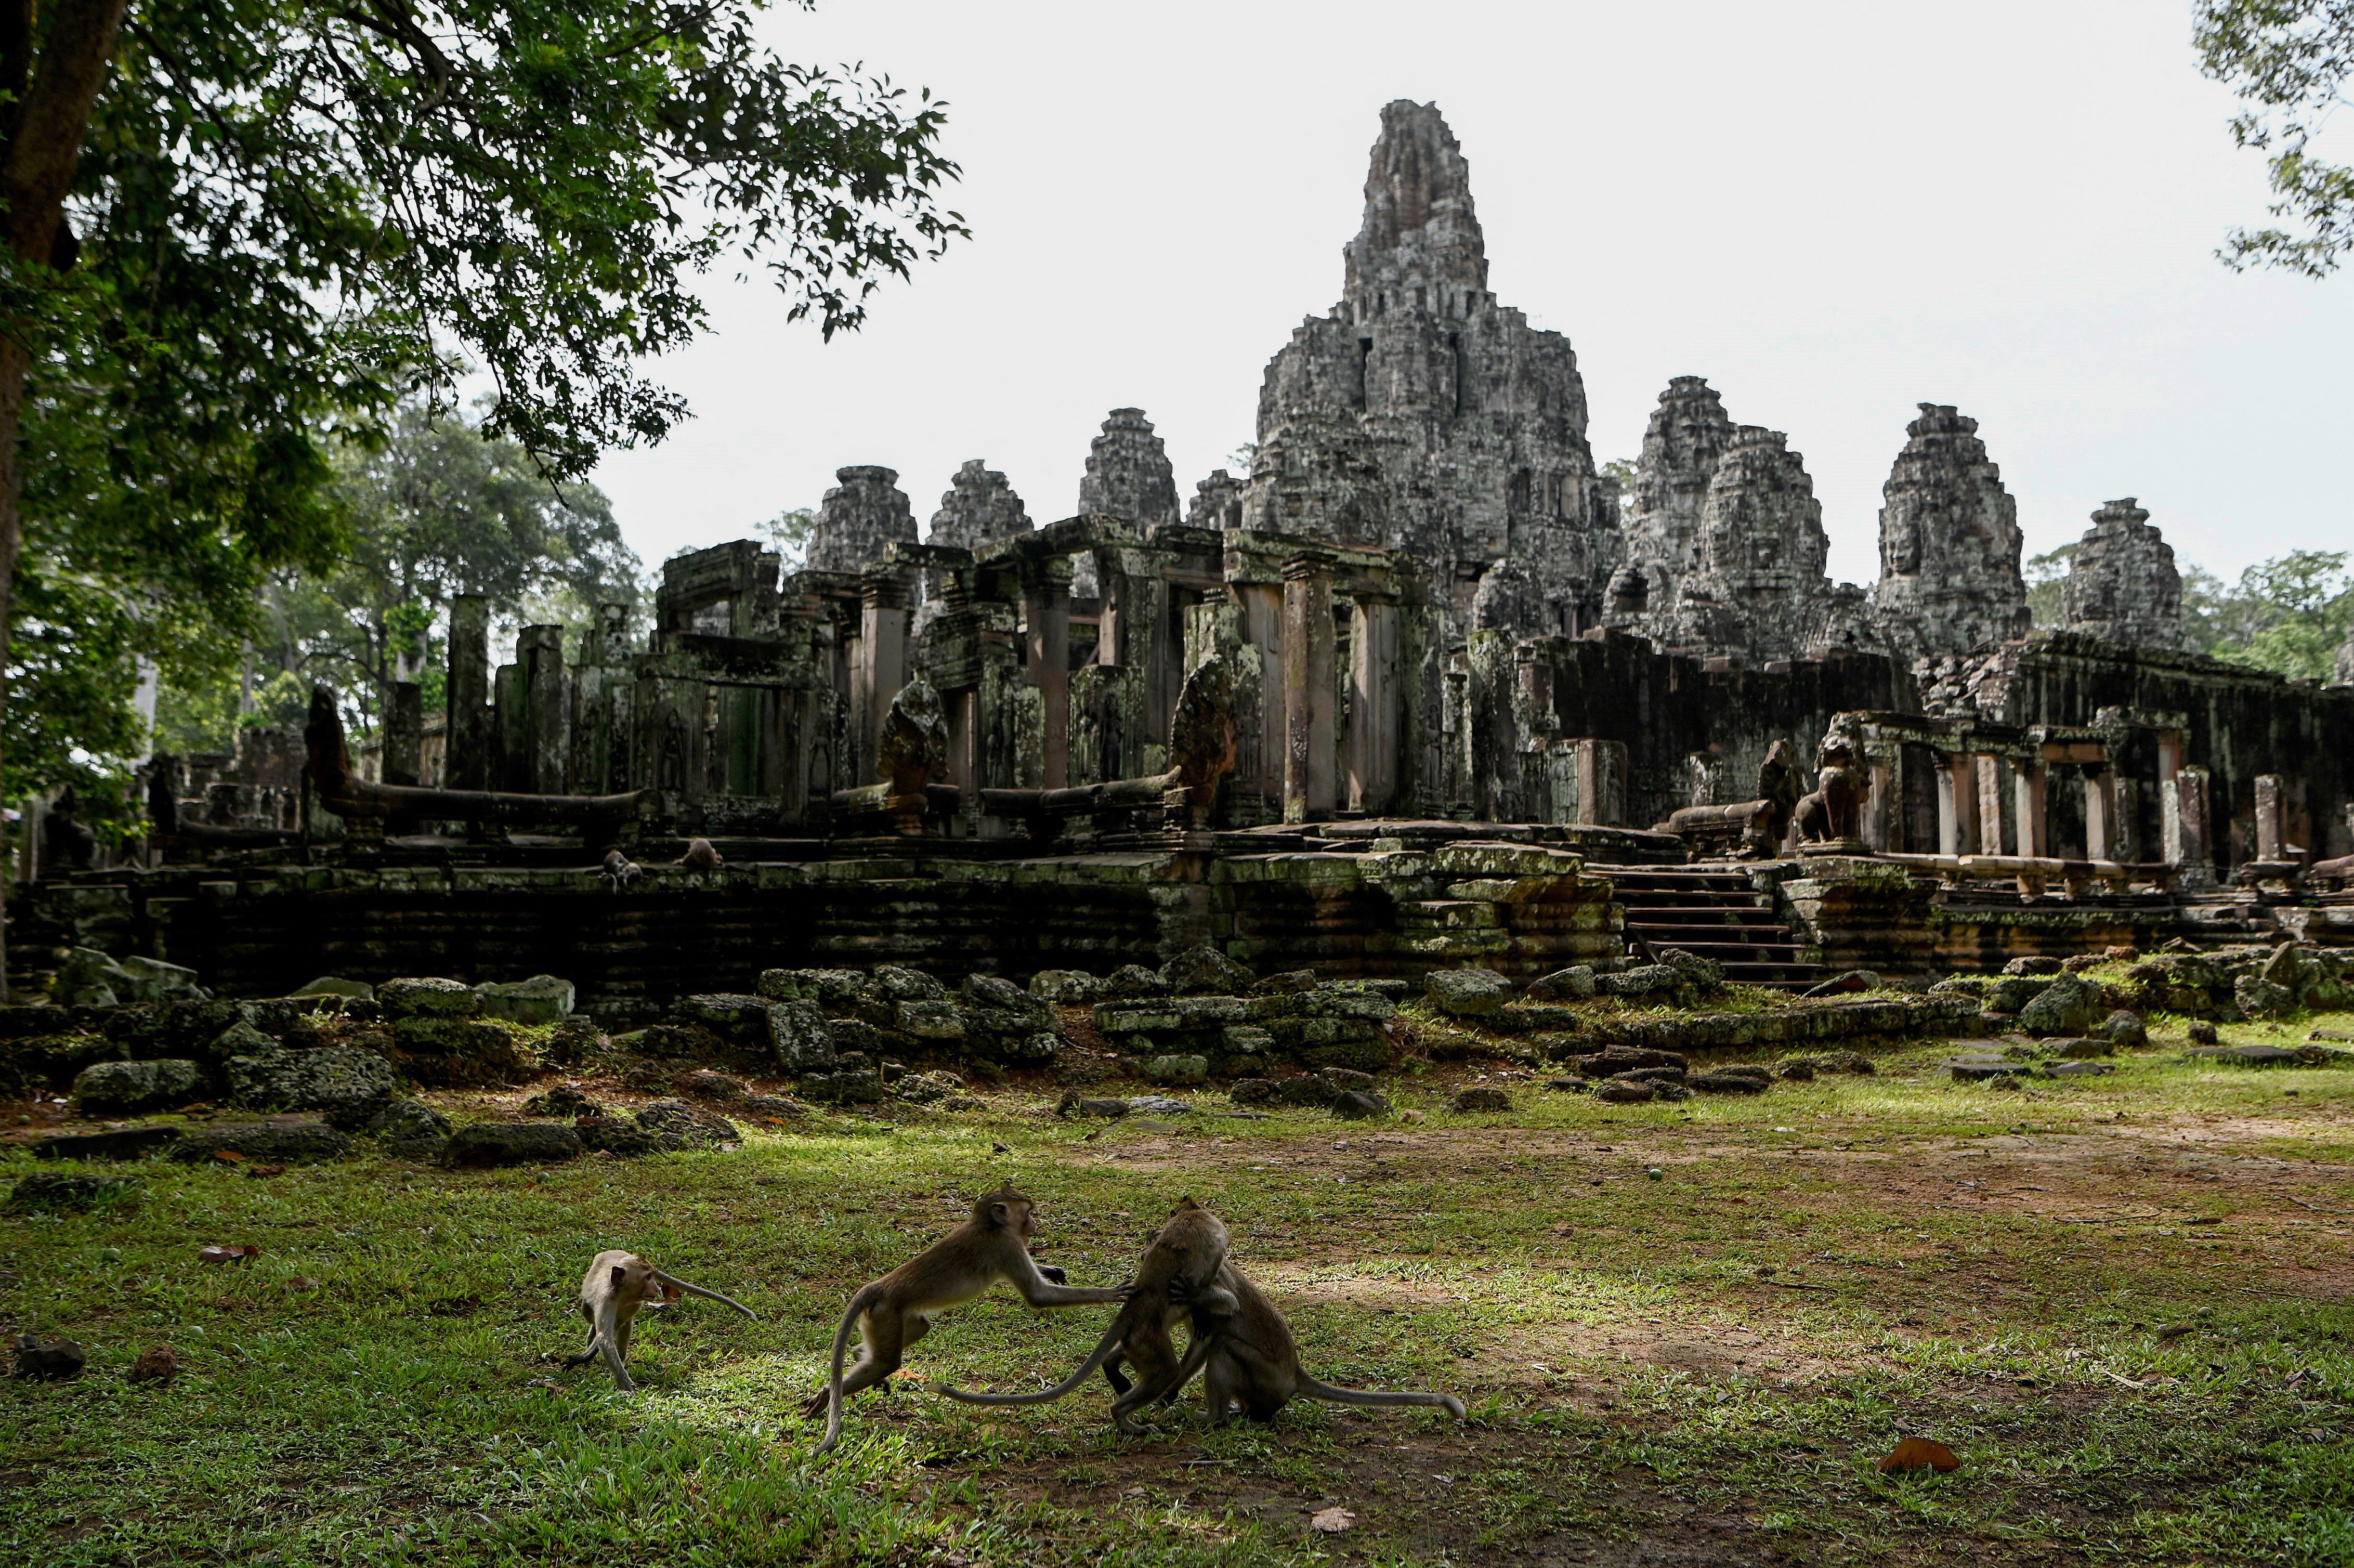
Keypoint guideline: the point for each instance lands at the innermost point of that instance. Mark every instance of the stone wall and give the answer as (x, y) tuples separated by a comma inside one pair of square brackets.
[(1522, 909)]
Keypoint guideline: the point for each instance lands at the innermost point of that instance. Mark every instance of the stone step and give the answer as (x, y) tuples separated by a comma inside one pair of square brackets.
[(1785, 952)]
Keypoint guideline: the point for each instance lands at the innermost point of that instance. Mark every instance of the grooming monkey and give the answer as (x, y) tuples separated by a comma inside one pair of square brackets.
[(618, 1286), (700, 856), (896, 1310), (1177, 1276), (619, 871), (1252, 1359)]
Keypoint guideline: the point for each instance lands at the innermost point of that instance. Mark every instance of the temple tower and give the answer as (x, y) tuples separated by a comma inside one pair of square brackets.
[(1949, 542), (2122, 583)]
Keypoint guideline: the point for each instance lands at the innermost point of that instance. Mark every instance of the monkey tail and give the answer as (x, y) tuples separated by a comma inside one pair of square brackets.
[(1096, 1358), (858, 1305), (706, 1295), (1365, 1396)]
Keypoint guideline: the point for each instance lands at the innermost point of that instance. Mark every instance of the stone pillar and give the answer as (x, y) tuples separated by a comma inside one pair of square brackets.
[(882, 651), (2027, 796), (548, 710), (510, 746), (468, 758), (2100, 812), (1373, 707), (1046, 610), (2185, 827), (1601, 782), (1990, 838), (1957, 805), (2268, 816), (1876, 805), (1309, 768), (404, 732), (1261, 616)]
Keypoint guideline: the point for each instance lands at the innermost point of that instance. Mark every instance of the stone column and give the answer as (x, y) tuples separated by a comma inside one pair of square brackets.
[(2185, 827), (1374, 729), (1047, 611), (404, 732), (1260, 607), (2268, 816), (1957, 805), (1601, 782), (882, 653), (1990, 837), (2027, 804), (2100, 812), (547, 700), (467, 766), (511, 730), (1882, 772), (1310, 770)]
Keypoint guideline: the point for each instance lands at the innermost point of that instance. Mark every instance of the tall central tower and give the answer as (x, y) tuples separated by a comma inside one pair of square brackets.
[(1421, 415)]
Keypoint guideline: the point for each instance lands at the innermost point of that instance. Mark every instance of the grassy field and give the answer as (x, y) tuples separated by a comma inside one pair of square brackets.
[(1685, 1333)]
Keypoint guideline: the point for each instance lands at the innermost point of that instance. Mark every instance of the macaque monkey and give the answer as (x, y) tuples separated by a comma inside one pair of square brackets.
[(618, 1286), (700, 856), (619, 871), (1253, 1360), (896, 1310), (1177, 1275)]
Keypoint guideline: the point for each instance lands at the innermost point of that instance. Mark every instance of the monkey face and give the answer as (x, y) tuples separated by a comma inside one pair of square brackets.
[(634, 1284)]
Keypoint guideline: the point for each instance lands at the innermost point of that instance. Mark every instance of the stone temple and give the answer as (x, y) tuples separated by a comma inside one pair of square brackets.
[(1414, 693)]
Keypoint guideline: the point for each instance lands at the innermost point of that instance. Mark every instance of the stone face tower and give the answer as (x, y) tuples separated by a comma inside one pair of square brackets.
[(979, 509), (2122, 584), (1688, 432), (1421, 415), (1759, 556), (1949, 577), (1129, 476), (858, 519)]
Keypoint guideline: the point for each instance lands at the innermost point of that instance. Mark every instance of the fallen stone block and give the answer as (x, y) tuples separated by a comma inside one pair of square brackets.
[(492, 1143), (126, 1088), (543, 999), (1480, 1098), (120, 1143), (281, 1140), (1466, 993)]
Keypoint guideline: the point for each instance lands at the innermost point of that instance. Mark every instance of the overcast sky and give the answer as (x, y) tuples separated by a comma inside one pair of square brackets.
[(1833, 212)]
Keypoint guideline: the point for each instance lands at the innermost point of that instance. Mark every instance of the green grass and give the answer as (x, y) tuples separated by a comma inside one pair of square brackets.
[(1701, 1366)]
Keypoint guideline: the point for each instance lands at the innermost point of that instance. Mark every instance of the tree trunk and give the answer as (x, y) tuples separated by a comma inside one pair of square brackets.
[(36, 171)]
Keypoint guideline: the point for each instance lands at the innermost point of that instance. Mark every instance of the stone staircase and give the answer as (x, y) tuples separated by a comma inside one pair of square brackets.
[(1716, 913)]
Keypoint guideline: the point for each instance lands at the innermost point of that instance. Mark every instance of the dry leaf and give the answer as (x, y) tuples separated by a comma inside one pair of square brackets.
[(1921, 1454), (1331, 1520), (230, 1155), (239, 1253)]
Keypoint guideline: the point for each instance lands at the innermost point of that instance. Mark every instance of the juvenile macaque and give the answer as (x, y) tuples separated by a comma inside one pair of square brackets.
[(617, 1288), (1177, 1275), (619, 871), (1250, 1360), (700, 856), (896, 1310)]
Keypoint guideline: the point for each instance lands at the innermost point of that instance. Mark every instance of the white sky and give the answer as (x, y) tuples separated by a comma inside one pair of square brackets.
[(1832, 211)]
